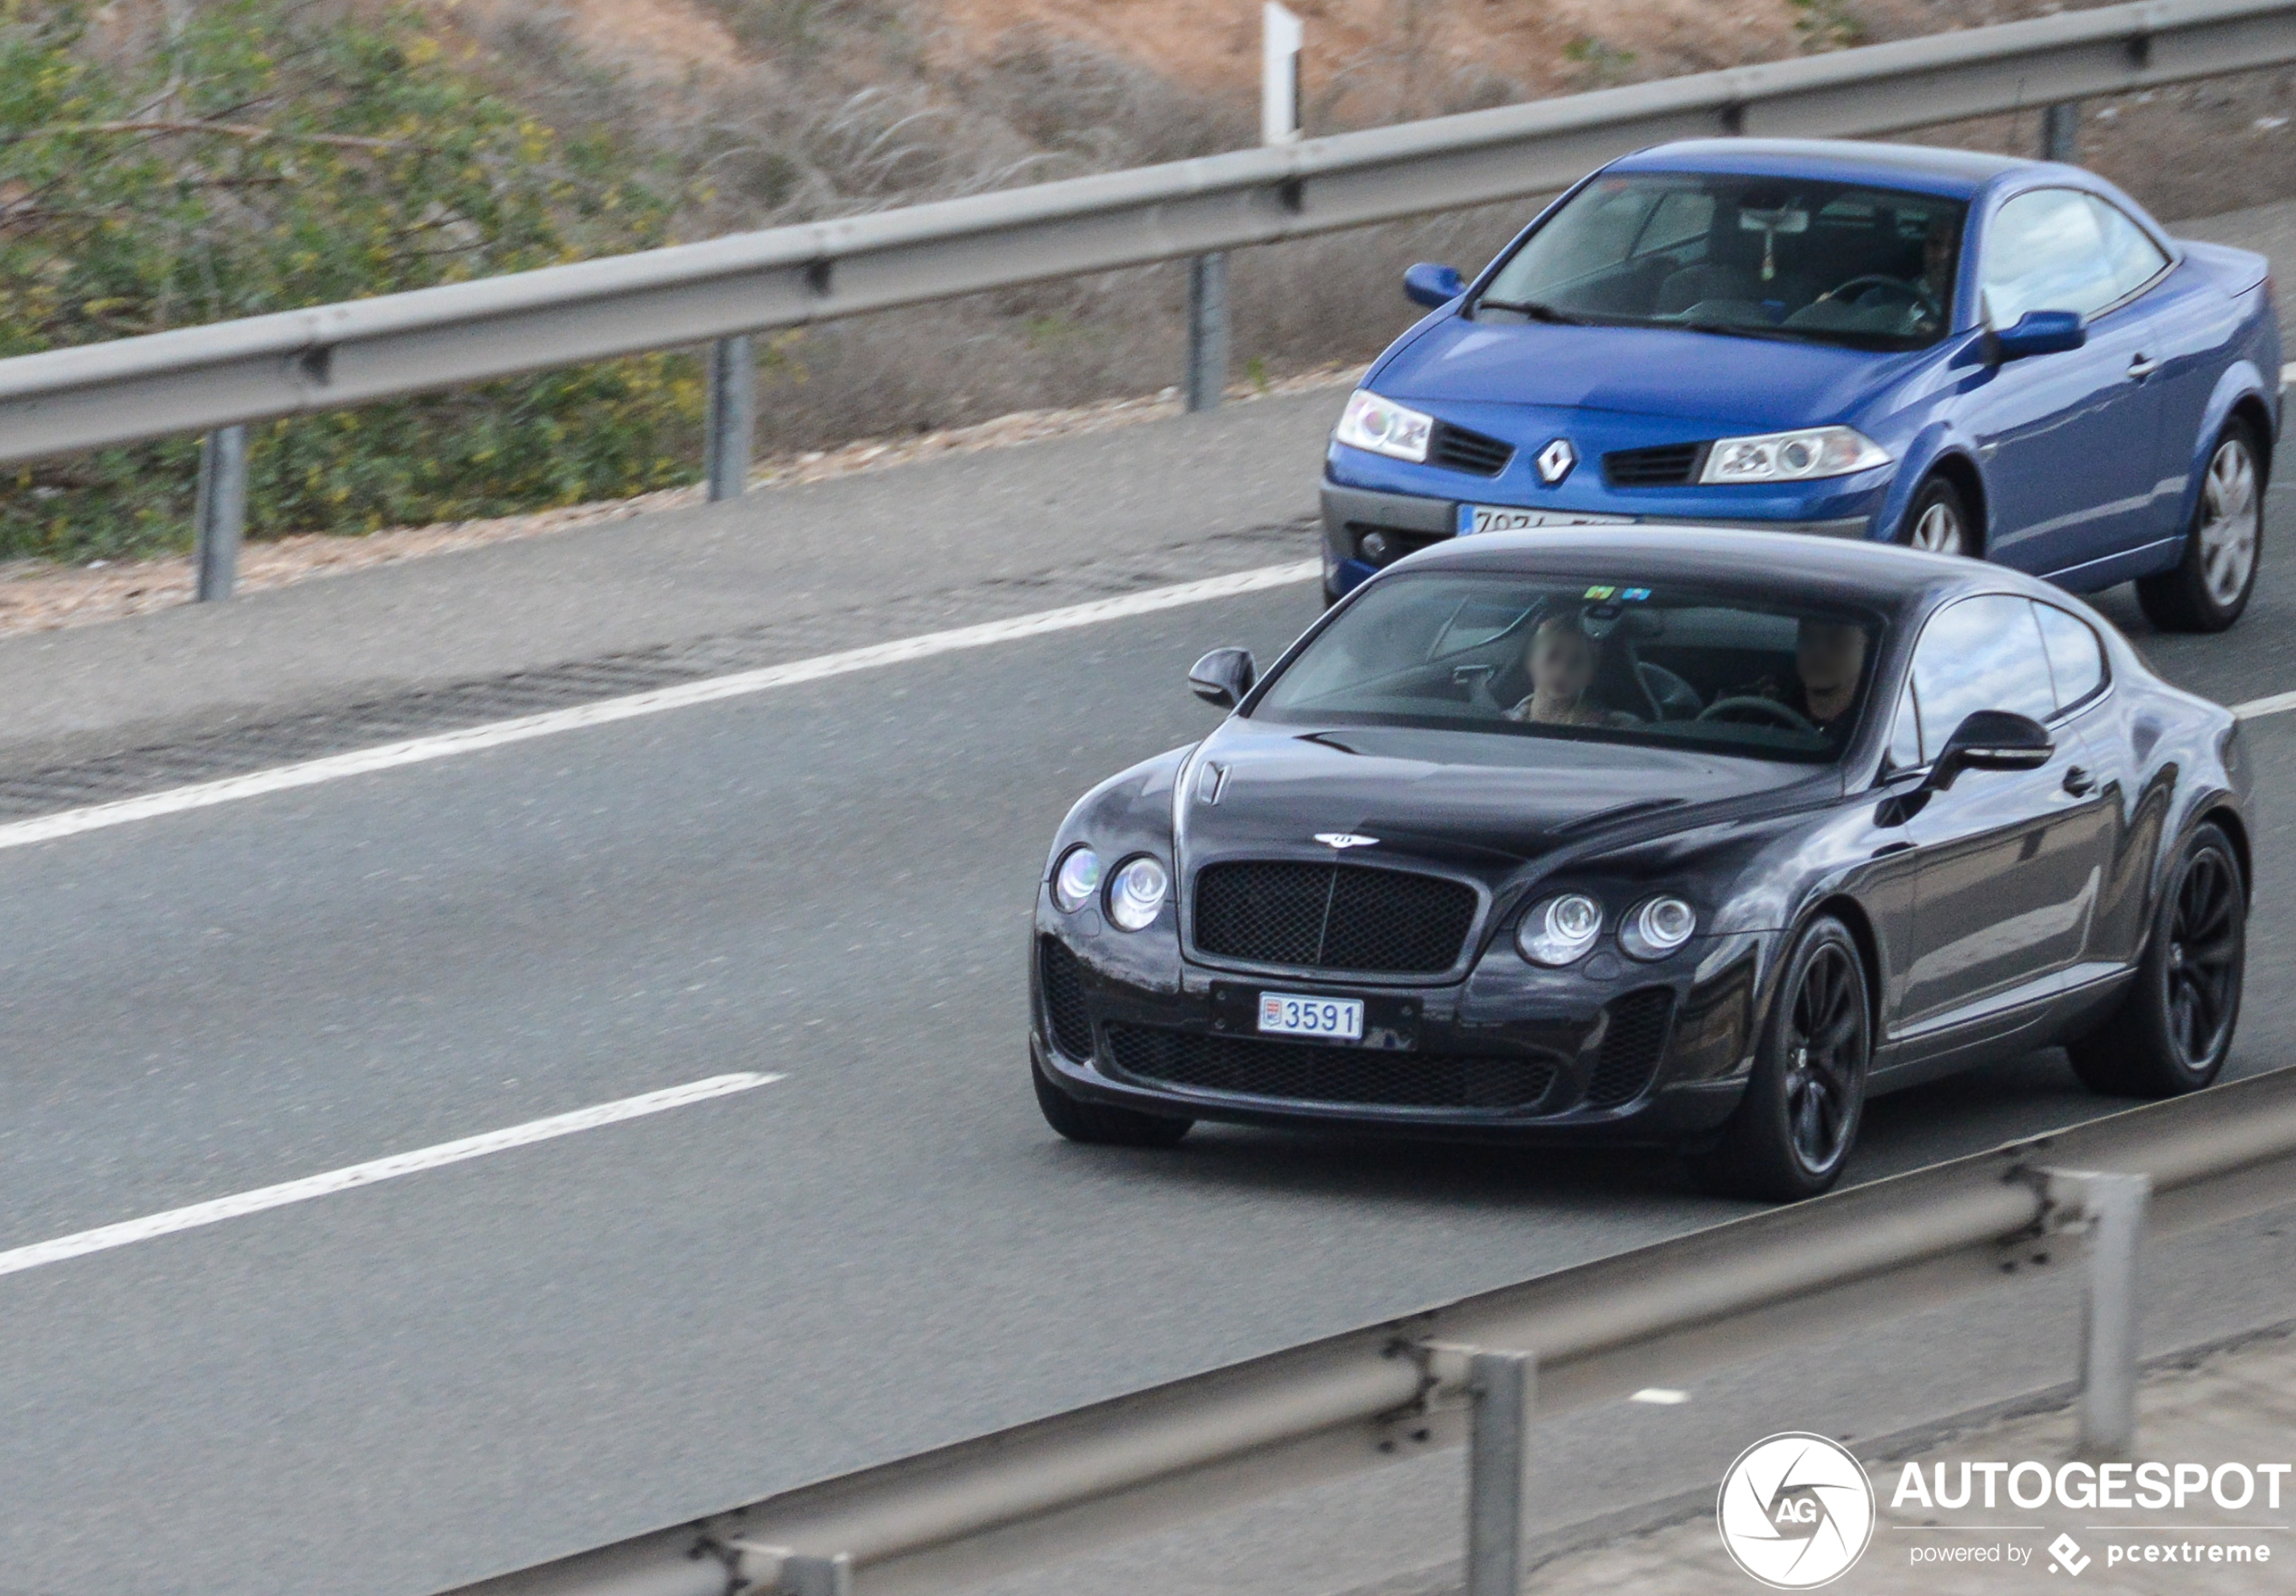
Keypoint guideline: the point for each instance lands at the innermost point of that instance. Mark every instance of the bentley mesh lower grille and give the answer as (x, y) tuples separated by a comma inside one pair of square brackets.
[(1061, 978), (1301, 1073), (1319, 916), (1631, 1048)]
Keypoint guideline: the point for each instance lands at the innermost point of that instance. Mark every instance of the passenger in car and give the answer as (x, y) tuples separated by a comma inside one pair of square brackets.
[(1560, 661)]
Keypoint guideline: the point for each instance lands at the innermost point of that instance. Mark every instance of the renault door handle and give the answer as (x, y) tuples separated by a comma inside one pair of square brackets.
[(2079, 781), (2141, 368)]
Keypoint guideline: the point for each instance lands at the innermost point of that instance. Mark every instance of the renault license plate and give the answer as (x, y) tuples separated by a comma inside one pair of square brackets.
[(1514, 518), (1294, 1014)]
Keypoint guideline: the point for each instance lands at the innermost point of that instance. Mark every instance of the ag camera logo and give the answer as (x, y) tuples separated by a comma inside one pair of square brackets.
[(1796, 1511)]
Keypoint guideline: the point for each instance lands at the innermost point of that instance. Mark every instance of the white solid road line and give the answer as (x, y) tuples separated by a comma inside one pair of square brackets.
[(96, 817), (310, 773), (130, 1231)]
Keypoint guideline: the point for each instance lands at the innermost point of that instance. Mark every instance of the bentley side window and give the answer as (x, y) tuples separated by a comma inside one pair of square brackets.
[(2076, 655), (1979, 653), (1904, 732)]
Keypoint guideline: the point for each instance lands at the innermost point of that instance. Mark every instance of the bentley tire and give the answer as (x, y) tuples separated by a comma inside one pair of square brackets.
[(2210, 584), (1100, 1124), (2170, 1035), (1793, 1131)]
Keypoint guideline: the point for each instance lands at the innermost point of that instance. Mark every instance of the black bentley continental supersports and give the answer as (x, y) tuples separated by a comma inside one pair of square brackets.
[(1650, 835)]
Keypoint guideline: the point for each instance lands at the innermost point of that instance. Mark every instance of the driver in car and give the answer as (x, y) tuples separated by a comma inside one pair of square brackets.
[(1932, 292), (1560, 661), (1829, 660)]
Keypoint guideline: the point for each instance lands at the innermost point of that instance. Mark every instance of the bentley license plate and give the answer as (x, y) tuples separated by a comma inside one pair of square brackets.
[(1510, 518), (1290, 1014)]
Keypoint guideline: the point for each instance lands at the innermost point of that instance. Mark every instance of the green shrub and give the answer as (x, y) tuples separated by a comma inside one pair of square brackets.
[(254, 156)]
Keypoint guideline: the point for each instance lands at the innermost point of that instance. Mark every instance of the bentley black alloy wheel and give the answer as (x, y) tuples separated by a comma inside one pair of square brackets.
[(2172, 1032), (1793, 1129)]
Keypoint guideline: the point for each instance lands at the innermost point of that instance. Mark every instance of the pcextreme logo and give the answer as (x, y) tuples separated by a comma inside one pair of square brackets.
[(1796, 1511)]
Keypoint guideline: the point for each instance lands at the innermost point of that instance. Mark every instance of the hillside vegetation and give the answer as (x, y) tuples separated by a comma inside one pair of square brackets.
[(165, 163)]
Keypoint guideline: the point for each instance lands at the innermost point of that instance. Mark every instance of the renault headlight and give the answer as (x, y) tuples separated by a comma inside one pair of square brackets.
[(1559, 931), (1076, 879), (1384, 427), (1657, 928), (1137, 893), (1792, 456)]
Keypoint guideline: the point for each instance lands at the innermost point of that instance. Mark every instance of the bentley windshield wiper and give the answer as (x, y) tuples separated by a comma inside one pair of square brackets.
[(1532, 308)]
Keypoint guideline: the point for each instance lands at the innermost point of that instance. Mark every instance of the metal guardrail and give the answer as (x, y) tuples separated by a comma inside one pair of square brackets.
[(1596, 1333), (329, 357)]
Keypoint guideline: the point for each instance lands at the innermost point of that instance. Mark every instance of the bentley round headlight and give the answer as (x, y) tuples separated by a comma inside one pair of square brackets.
[(1559, 931), (1137, 893), (1076, 879), (1657, 928)]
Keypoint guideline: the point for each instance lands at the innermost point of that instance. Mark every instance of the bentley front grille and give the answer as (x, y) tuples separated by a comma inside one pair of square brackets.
[(1312, 916)]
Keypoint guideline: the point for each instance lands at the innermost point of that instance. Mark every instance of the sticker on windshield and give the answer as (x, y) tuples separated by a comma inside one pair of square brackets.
[(1602, 592), (1634, 595)]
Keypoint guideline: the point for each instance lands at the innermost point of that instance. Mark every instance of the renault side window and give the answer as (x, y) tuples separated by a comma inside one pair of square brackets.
[(1979, 653), (2129, 250), (2045, 251)]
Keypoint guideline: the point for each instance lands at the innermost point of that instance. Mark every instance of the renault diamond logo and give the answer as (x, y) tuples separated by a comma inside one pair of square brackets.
[(1345, 840), (1555, 460)]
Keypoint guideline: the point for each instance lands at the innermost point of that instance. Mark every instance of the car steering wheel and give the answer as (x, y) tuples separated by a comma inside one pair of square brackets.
[(1749, 708), (1911, 294)]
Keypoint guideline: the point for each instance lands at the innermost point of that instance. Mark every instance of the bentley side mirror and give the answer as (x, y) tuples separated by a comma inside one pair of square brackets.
[(2041, 331), (1992, 739), (1223, 676), (1434, 285)]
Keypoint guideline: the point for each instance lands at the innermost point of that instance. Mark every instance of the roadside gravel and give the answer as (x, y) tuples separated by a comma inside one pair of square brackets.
[(36, 596)]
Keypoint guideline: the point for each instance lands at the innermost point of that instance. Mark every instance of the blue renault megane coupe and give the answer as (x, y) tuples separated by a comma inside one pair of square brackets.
[(1968, 354)]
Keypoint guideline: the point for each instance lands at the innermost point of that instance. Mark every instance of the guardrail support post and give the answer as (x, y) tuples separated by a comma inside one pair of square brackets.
[(732, 418), (220, 517), (1499, 1385), (2110, 1209), (2061, 132), (1206, 331), (817, 1576)]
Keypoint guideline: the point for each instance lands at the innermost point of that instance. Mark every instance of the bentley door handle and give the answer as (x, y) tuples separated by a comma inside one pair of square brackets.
[(2079, 781), (1886, 848), (2141, 368)]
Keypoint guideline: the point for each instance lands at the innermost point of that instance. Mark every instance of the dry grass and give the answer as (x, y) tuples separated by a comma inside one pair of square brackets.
[(781, 110)]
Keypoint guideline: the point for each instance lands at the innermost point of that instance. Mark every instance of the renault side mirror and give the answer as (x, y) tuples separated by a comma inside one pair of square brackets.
[(1992, 739), (1222, 677), (1432, 285), (2041, 331)]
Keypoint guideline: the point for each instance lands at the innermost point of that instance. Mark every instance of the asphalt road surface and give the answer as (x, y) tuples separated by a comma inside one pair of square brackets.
[(490, 1364), (463, 1371)]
